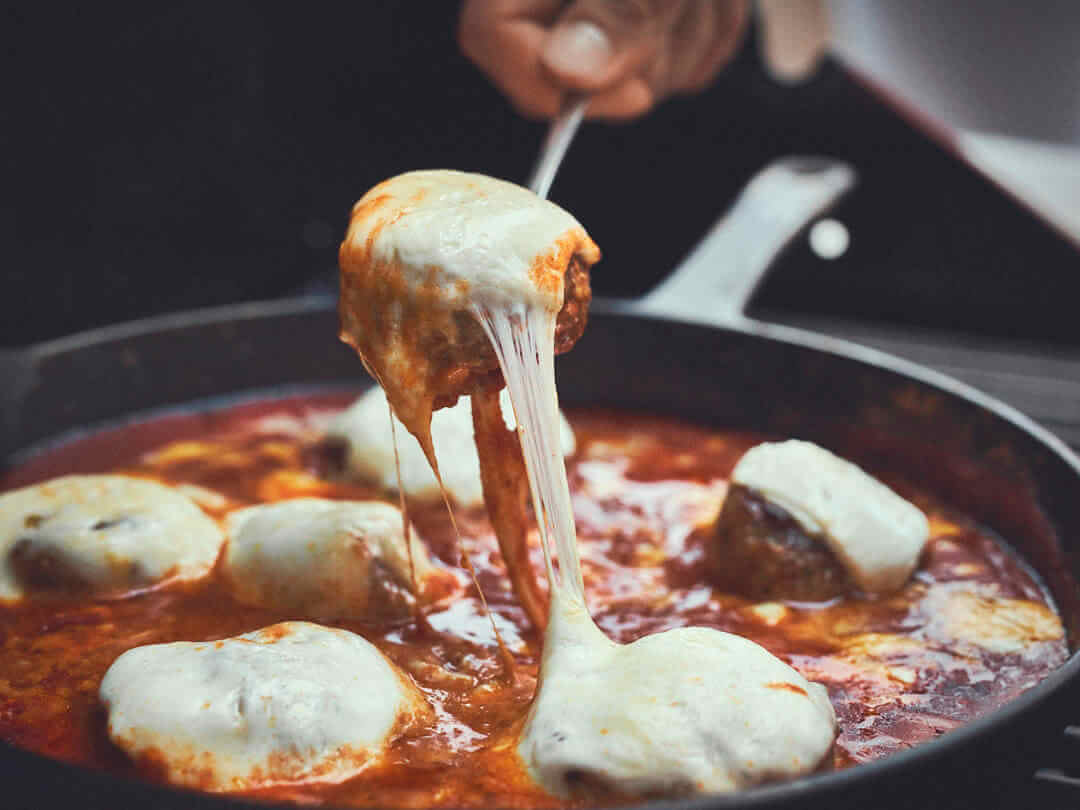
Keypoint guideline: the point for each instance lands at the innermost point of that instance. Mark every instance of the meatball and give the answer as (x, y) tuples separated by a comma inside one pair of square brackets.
[(802, 523), (102, 534), (463, 359), (426, 254), (758, 550)]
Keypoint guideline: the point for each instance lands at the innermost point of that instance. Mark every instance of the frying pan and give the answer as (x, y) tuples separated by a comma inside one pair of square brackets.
[(686, 351)]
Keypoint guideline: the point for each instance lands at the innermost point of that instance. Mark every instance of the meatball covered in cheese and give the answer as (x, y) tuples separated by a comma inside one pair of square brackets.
[(101, 533), (294, 701), (801, 523), (423, 251), (326, 558)]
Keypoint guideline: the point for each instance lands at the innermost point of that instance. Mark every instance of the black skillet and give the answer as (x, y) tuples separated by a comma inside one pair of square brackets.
[(658, 355)]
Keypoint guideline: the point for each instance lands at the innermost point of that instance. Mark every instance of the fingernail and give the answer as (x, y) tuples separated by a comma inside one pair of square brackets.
[(579, 47)]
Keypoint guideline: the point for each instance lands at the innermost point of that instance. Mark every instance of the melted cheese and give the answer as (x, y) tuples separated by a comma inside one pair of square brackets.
[(325, 558), (290, 702), (689, 710), (877, 535), (365, 429), (104, 532), (993, 623)]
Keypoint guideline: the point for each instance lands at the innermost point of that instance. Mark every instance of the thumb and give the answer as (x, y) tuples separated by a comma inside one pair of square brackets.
[(794, 36), (596, 44)]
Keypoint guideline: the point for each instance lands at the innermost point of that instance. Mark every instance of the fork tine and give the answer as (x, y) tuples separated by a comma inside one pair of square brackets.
[(558, 139)]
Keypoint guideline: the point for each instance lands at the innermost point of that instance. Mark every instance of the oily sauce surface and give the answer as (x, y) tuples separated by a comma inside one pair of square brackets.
[(970, 631)]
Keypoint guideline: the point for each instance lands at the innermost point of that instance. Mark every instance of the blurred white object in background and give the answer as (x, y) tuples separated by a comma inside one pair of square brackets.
[(1044, 175), (1004, 76), (986, 65)]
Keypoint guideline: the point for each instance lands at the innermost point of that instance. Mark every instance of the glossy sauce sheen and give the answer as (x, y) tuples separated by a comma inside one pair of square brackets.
[(644, 490)]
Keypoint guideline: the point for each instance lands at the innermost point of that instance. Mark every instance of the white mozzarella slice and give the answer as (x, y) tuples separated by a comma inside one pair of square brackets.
[(291, 702), (691, 710), (477, 238), (325, 558), (365, 428), (103, 532), (877, 535)]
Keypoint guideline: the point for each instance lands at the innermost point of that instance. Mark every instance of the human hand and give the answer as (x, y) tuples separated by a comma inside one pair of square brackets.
[(626, 54)]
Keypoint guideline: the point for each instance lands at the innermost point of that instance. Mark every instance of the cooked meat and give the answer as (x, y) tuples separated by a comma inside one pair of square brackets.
[(577, 295), (761, 552), (464, 361)]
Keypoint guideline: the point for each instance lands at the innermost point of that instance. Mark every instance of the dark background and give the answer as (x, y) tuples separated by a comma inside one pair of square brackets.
[(161, 157)]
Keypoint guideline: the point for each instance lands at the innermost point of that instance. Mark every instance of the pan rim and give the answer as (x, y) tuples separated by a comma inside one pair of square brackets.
[(787, 335)]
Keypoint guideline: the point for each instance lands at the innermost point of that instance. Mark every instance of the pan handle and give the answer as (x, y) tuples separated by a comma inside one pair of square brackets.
[(715, 281)]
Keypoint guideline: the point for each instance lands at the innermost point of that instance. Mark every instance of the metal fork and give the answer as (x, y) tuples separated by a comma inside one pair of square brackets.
[(563, 128)]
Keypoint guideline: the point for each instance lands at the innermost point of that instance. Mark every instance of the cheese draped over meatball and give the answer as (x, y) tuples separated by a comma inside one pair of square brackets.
[(364, 429), (294, 701), (326, 558), (104, 533), (874, 533), (424, 251), (690, 710)]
